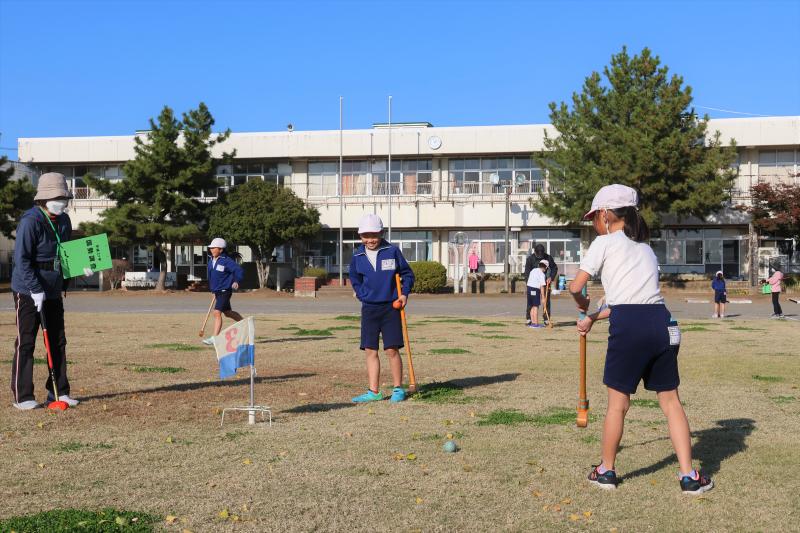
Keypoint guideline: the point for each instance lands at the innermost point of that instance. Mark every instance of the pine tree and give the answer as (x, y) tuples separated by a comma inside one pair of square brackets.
[(637, 128), (262, 216), (15, 197), (157, 202)]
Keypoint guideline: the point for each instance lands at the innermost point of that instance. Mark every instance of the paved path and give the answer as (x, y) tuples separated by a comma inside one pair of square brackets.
[(499, 305)]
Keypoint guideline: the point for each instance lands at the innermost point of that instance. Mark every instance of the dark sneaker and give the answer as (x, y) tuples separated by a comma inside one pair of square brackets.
[(699, 485), (607, 481)]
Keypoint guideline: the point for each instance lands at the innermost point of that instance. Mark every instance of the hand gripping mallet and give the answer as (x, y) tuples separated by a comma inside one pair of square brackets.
[(56, 404), (210, 307), (412, 381), (544, 307), (582, 419)]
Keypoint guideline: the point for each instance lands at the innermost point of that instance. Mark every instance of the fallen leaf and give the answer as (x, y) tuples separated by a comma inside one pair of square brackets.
[(557, 508), (398, 457), (170, 519), (411, 457), (613, 530), (448, 422), (536, 494), (135, 519), (348, 434), (283, 453), (235, 518), (40, 425), (247, 462), (545, 508), (302, 394), (121, 521), (244, 508), (472, 414), (574, 517), (467, 468), (149, 404), (223, 514), (370, 411), (653, 482), (41, 465), (168, 440), (566, 501), (105, 407), (587, 514), (419, 500), (449, 436), (404, 418)]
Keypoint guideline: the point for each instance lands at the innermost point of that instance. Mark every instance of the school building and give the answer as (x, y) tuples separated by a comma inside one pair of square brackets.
[(446, 192)]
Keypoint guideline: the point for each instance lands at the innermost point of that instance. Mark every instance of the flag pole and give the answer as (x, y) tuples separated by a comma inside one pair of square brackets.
[(390, 168), (341, 200)]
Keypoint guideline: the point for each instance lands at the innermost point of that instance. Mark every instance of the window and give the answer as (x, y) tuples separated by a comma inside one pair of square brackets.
[(475, 176), (777, 165)]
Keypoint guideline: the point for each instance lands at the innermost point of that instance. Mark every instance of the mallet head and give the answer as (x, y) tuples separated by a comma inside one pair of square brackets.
[(58, 405), (583, 418)]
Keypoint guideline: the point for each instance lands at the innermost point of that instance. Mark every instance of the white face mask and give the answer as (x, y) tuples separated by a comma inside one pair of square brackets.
[(56, 206)]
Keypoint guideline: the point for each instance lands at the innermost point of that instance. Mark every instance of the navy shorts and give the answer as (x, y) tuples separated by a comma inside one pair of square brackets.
[(223, 302), (639, 349), (720, 298), (534, 297), (380, 320)]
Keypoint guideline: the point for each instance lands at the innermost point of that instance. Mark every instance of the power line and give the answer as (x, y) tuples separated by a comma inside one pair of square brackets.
[(732, 112)]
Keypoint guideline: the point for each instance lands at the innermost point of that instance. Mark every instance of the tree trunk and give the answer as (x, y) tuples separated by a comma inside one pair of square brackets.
[(262, 267), (159, 258)]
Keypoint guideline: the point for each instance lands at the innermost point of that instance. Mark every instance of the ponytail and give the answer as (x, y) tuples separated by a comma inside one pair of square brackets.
[(635, 227), (236, 256)]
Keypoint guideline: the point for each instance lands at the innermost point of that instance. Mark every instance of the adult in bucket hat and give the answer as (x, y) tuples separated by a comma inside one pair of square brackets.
[(36, 284)]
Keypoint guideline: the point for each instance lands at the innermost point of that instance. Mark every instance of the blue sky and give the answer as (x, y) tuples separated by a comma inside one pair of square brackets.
[(70, 68)]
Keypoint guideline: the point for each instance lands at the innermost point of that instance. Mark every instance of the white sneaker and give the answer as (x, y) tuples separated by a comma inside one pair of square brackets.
[(722, 316), (714, 316), (209, 341), (26, 405), (72, 402)]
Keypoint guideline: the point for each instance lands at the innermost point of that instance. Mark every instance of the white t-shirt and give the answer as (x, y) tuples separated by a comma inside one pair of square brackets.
[(536, 278), (628, 269), (372, 255)]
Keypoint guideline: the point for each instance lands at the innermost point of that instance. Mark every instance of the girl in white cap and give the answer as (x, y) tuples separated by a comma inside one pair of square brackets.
[(720, 295), (37, 284), (224, 276), (643, 339)]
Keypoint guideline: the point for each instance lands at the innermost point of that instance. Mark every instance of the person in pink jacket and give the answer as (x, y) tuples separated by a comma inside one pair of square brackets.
[(775, 284), (474, 262)]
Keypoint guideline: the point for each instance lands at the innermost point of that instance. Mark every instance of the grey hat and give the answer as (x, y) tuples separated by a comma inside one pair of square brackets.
[(52, 185)]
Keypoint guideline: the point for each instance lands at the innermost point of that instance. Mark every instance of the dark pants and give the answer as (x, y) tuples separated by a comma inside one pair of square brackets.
[(776, 306), (528, 305), (28, 323)]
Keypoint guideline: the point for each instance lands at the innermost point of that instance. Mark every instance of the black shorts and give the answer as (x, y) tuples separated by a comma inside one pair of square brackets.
[(720, 298), (380, 320), (223, 301), (534, 297), (639, 348)]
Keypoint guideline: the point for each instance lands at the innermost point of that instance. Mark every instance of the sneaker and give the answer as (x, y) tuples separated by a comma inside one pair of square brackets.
[(715, 316), (527, 322), (398, 395), (368, 396), (72, 402), (209, 341), (606, 481), (698, 485), (27, 405)]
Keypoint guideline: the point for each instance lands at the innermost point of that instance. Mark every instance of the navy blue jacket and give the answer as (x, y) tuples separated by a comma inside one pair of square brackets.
[(222, 276), (375, 286), (718, 285), (36, 243)]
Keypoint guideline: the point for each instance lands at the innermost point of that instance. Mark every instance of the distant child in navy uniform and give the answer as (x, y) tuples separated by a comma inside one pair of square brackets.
[(643, 339), (372, 274), (537, 281), (720, 295), (224, 276)]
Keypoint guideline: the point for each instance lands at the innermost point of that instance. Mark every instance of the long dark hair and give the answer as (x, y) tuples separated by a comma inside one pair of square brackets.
[(236, 256), (635, 227)]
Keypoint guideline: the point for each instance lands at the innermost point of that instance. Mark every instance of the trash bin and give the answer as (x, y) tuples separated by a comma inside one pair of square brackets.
[(562, 282)]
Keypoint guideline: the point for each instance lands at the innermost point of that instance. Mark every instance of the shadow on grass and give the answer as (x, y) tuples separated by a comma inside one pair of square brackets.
[(713, 446), (199, 385), (318, 408), (468, 383)]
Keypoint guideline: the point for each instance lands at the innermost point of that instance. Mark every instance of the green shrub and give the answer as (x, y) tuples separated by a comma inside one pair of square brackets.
[(314, 272), (429, 276)]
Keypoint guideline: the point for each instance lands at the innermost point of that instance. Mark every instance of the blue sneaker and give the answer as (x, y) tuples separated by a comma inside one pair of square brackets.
[(368, 396), (398, 395)]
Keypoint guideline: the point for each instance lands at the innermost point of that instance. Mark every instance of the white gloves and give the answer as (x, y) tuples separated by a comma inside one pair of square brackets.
[(38, 300)]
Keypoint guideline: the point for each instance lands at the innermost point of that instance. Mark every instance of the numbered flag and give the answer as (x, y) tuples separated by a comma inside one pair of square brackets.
[(235, 347)]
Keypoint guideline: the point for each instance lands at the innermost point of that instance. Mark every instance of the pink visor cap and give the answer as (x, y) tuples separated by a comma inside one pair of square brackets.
[(613, 197)]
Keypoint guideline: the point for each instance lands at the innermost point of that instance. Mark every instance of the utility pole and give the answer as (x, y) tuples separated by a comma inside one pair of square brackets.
[(505, 262)]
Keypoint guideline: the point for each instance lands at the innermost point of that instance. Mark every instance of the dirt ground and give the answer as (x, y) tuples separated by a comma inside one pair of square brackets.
[(147, 434)]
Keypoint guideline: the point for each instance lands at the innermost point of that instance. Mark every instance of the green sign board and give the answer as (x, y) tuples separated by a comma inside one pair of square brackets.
[(83, 257)]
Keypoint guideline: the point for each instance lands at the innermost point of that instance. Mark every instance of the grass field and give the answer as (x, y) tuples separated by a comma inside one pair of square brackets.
[(146, 438)]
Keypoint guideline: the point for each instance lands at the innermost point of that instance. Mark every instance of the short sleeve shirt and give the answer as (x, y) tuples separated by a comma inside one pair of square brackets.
[(536, 278), (627, 269)]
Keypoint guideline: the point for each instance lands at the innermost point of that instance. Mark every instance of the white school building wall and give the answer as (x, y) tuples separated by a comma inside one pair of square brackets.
[(441, 183)]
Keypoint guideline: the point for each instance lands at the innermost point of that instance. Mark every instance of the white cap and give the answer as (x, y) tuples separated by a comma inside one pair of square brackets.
[(370, 223), (218, 243), (718, 273), (613, 197), (544, 262)]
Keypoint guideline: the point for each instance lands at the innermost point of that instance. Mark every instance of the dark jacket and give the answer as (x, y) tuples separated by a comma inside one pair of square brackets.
[(35, 251), (532, 262), (377, 285), (718, 285), (224, 273)]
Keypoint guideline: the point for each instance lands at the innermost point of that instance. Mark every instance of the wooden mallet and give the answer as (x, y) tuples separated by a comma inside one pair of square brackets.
[(412, 380), (210, 307), (582, 419), (544, 307)]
